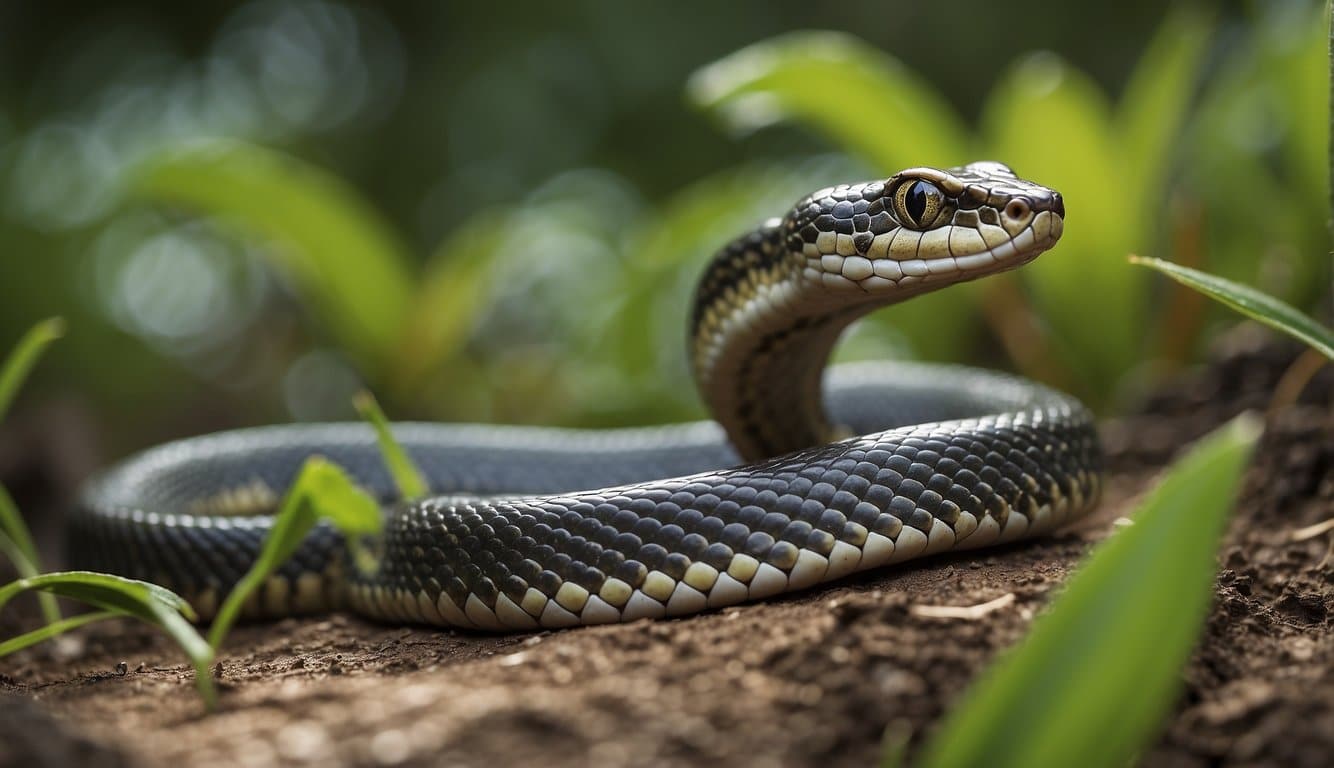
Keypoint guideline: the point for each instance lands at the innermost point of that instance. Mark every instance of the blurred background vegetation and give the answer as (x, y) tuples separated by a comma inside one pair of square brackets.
[(249, 211)]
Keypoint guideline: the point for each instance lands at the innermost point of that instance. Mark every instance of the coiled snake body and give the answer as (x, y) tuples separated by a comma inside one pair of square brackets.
[(804, 477)]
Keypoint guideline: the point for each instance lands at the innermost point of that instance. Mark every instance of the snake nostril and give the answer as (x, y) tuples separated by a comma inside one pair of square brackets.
[(1058, 204)]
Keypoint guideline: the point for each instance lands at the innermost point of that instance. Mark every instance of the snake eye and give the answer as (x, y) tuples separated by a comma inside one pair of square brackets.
[(917, 203)]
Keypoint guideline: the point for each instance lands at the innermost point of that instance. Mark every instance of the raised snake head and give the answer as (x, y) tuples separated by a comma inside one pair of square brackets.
[(923, 228)]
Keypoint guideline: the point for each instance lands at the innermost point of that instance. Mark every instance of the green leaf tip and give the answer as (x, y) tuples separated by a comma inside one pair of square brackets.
[(24, 356), (795, 76), (407, 477), (1101, 668), (51, 328), (1250, 302)]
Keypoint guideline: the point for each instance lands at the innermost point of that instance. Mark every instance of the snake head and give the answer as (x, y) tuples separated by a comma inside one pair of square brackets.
[(923, 228)]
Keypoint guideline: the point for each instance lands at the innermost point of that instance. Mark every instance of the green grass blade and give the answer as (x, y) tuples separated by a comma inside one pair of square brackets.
[(24, 356), (53, 629), (406, 475), (114, 593), (155, 605), (1250, 302), (15, 555), (16, 544), (1157, 98), (1093, 680), (19, 545), (342, 258), (453, 292), (321, 491), (799, 75)]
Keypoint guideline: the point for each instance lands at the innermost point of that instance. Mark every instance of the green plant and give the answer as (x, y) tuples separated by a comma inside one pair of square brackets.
[(1250, 302), (615, 280), (321, 491), (1092, 681), (16, 543), (1046, 119), (408, 478), (1255, 168), (344, 261), (1138, 604), (117, 597), (1083, 319), (17, 546)]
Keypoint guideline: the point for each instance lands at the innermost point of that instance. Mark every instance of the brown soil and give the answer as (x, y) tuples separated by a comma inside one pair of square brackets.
[(809, 680)]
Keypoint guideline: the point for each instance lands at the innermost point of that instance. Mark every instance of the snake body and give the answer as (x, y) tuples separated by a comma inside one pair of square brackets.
[(806, 475)]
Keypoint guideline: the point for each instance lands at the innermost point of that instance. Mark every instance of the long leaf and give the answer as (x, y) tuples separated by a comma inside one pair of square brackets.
[(342, 258), (19, 546), (150, 603), (1158, 96), (1093, 680), (454, 290), (321, 491), (406, 475), (114, 593), (53, 629), (24, 356), (893, 118), (16, 544), (16, 534), (1250, 302)]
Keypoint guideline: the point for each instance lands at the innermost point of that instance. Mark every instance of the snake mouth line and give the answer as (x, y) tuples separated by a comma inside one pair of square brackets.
[(897, 263)]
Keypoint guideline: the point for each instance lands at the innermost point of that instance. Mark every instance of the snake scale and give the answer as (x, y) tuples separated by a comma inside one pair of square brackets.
[(806, 475)]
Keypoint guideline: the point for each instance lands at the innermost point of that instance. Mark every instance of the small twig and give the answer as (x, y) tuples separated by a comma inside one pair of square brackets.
[(1294, 380), (1312, 531), (970, 612)]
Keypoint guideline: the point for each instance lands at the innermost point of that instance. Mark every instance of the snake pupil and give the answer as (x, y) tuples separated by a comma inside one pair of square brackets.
[(915, 201)]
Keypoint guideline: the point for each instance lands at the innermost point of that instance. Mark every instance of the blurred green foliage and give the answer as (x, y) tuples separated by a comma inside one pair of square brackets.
[(1116, 165), (342, 260), (321, 491), (542, 202)]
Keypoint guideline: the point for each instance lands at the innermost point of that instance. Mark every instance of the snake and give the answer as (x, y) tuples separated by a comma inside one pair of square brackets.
[(807, 472)]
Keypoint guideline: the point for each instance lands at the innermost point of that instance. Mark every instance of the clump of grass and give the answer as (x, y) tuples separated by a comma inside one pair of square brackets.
[(118, 597), (112, 595), (322, 491)]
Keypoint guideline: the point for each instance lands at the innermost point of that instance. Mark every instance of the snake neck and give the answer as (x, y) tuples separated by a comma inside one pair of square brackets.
[(761, 336), (773, 303)]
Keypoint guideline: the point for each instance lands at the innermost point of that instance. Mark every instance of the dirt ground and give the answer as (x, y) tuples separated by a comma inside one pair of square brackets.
[(812, 680)]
